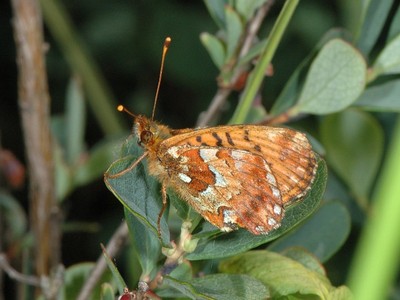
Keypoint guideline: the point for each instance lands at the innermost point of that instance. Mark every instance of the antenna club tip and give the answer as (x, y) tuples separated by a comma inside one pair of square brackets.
[(120, 107), (167, 41)]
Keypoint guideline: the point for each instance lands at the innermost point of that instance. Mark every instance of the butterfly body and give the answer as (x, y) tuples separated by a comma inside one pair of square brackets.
[(234, 176)]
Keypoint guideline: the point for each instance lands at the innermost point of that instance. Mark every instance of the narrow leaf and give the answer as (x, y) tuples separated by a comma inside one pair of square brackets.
[(75, 121), (216, 10), (247, 8), (234, 30), (388, 61), (383, 97), (215, 48), (373, 23)]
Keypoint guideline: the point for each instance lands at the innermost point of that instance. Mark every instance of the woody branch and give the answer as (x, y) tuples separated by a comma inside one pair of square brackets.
[(34, 103)]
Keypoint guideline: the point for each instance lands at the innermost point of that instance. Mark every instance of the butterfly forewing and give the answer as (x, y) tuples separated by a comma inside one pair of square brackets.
[(239, 175)]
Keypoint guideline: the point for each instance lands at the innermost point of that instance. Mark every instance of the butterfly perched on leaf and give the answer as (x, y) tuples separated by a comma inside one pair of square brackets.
[(234, 176)]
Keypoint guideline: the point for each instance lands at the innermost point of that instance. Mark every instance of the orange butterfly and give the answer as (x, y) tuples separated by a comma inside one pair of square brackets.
[(234, 176)]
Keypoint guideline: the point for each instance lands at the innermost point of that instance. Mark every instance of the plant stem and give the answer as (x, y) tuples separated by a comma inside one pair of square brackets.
[(223, 93), (257, 75), (377, 257), (99, 95), (34, 102)]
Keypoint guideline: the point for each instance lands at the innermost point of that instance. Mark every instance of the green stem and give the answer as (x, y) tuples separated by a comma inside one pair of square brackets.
[(257, 75), (99, 95), (377, 259)]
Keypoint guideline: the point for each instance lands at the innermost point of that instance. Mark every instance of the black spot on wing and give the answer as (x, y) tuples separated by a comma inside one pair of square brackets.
[(229, 139), (246, 136), (218, 138)]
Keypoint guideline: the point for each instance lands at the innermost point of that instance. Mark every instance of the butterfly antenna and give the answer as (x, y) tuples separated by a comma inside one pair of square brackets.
[(124, 109), (164, 53)]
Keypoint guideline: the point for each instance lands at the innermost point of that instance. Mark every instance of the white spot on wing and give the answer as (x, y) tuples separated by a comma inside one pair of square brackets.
[(219, 179), (260, 229), (271, 178), (230, 216), (237, 155), (184, 178), (208, 154), (209, 192), (275, 192), (173, 151), (271, 221), (277, 209), (238, 164)]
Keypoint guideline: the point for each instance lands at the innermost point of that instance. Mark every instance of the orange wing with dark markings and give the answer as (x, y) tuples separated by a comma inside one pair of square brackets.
[(239, 175), (288, 152)]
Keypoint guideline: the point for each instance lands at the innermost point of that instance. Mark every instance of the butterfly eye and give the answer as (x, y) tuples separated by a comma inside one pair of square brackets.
[(145, 137)]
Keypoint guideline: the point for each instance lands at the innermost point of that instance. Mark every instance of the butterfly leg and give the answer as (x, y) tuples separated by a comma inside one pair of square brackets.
[(164, 206), (130, 168)]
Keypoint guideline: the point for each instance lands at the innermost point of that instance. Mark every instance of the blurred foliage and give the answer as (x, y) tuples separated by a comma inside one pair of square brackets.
[(335, 76)]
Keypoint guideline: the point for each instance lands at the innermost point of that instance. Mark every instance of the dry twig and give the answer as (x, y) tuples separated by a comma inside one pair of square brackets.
[(34, 102)]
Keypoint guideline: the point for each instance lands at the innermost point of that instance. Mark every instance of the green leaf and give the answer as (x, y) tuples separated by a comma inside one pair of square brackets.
[(215, 48), (97, 160), (253, 53), (335, 80), (216, 10), (234, 31), (145, 242), (107, 292), (307, 259), (290, 92), (137, 190), (373, 23), (395, 25), (287, 98), (63, 176), (242, 240), (354, 146), (220, 286), (120, 282), (257, 113), (183, 209), (76, 276), (383, 97), (388, 61), (247, 8), (285, 277), (316, 234), (75, 116), (13, 217)]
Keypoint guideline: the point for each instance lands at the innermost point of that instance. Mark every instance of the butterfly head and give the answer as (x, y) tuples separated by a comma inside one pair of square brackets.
[(150, 133)]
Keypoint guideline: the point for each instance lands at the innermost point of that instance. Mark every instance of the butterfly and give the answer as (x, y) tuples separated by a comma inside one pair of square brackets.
[(234, 176)]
